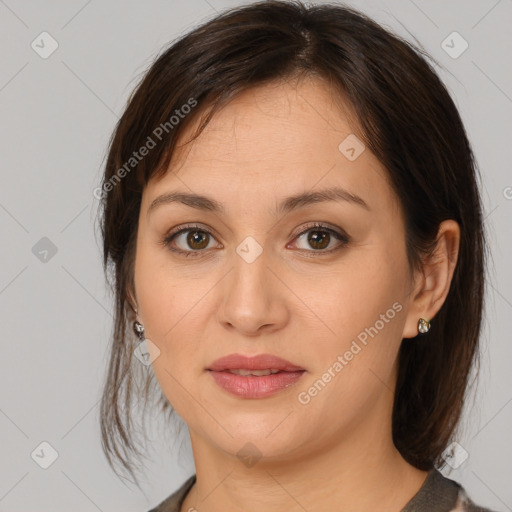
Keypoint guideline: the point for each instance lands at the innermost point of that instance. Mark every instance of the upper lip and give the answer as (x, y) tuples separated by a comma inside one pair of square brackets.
[(259, 362)]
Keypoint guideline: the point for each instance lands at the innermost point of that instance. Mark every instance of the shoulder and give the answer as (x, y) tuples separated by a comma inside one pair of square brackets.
[(465, 504), (441, 494), (175, 500)]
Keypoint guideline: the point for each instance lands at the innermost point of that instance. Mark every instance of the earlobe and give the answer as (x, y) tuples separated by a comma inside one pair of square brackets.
[(435, 280)]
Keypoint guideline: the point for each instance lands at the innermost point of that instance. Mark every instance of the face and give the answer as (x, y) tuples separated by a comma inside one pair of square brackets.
[(323, 284)]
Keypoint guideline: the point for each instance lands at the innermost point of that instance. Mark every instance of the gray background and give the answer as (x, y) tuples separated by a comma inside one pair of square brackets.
[(56, 117)]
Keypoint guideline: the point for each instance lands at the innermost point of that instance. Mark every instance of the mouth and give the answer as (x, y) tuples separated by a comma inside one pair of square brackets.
[(254, 377)]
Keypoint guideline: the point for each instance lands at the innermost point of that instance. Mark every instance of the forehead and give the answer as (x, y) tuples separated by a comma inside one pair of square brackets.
[(289, 119), (278, 139)]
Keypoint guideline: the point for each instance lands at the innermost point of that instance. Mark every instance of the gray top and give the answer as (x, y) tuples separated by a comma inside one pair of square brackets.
[(437, 494)]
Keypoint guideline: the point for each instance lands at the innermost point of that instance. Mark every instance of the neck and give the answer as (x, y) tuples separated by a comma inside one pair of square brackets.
[(361, 472)]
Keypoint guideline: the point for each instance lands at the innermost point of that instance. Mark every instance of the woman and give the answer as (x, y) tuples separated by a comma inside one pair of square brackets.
[(291, 216)]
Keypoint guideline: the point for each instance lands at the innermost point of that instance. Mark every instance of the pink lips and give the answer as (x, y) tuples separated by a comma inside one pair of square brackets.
[(252, 386)]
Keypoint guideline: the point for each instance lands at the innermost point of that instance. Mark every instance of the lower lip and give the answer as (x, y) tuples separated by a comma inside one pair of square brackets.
[(255, 386)]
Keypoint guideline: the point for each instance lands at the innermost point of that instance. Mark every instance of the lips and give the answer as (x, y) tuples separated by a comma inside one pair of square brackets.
[(254, 377), (256, 363)]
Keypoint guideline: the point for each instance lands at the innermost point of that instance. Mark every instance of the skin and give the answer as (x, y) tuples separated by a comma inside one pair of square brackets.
[(335, 452)]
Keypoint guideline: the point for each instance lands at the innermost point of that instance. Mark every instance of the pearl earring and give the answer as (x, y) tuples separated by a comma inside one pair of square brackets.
[(423, 326)]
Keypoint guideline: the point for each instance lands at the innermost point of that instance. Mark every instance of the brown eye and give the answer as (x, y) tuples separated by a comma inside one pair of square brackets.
[(196, 240), (319, 239), (190, 241), (320, 236)]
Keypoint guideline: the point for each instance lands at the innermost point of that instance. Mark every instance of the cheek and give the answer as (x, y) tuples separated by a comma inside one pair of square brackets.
[(163, 293), (162, 301), (174, 306), (362, 313), (167, 309), (353, 371), (353, 297)]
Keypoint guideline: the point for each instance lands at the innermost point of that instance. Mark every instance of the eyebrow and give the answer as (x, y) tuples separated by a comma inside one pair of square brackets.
[(295, 202)]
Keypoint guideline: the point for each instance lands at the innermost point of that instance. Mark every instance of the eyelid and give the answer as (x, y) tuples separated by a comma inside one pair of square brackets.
[(321, 226), (187, 227)]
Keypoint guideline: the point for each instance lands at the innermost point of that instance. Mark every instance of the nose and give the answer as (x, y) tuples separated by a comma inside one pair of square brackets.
[(253, 300)]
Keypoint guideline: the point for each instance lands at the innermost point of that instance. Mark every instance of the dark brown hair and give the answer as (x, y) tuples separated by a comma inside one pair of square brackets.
[(405, 116)]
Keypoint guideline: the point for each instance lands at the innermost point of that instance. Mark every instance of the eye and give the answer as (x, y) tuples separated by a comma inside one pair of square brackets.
[(319, 236), (193, 240)]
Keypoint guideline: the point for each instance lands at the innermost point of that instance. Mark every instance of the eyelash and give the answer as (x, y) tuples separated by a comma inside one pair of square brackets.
[(339, 235)]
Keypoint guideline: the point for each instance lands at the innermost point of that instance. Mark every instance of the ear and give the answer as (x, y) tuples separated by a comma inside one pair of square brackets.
[(432, 284)]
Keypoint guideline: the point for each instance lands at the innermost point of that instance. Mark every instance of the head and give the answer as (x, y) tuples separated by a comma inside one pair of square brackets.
[(261, 105)]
